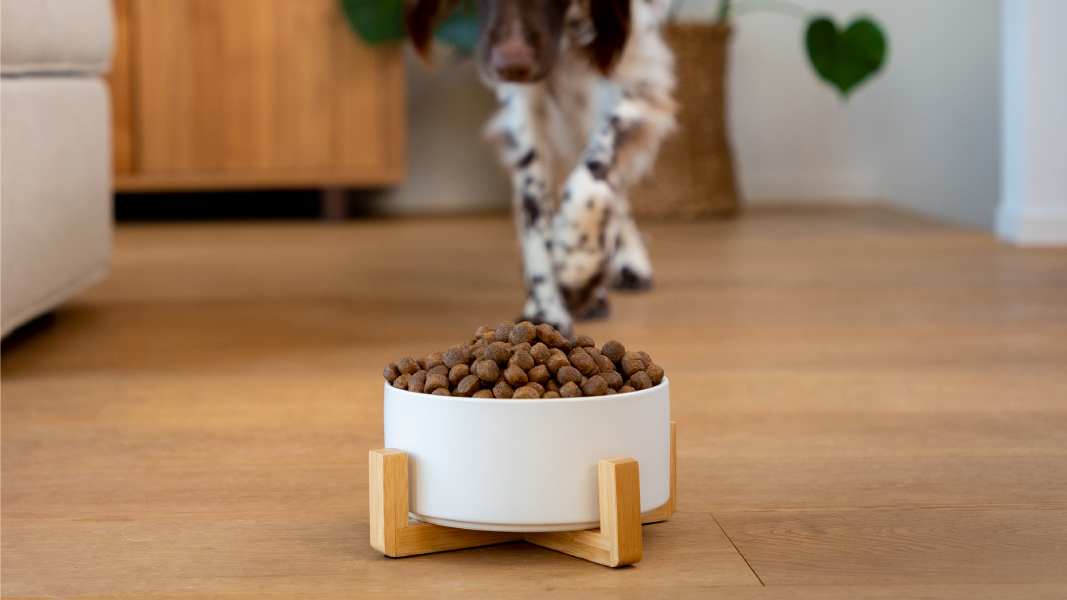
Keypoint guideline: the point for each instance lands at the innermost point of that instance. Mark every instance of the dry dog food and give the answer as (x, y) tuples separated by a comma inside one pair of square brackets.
[(525, 361)]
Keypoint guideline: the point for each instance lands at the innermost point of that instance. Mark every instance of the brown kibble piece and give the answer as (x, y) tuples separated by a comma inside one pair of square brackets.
[(523, 333), (487, 371), (613, 379), (438, 370), (522, 360), (645, 357), (540, 353), (435, 382), (515, 376), (417, 381), (562, 343), (552, 386), (468, 385), (539, 374), (441, 392), (545, 333), (458, 373), (582, 341), (581, 361), (523, 346), (655, 373), (483, 330), (422, 363), (631, 363), (592, 351), (483, 394), (603, 363), (537, 386), (610, 392), (551, 395), (557, 352), (504, 330), (556, 362), (640, 381), (503, 389), (456, 355), (526, 393), (571, 390), (478, 352), (391, 372), (407, 366), (614, 351), (567, 375), (401, 382), (498, 352), (434, 359), (626, 389), (595, 386)]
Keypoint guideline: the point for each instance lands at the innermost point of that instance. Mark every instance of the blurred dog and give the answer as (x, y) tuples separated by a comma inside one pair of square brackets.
[(584, 85)]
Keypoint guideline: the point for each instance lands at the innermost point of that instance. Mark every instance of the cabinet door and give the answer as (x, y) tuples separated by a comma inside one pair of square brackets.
[(258, 93)]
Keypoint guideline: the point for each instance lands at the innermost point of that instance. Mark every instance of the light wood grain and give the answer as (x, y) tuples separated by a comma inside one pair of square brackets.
[(902, 547), (119, 80), (256, 93), (865, 398)]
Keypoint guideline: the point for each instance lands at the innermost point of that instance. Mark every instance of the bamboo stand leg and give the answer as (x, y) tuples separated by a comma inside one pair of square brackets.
[(616, 543), (391, 531)]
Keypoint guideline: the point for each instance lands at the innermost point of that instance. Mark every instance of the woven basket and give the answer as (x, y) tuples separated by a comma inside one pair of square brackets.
[(693, 176)]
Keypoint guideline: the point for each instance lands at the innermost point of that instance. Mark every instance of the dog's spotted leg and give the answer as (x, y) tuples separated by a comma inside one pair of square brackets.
[(631, 268), (596, 240), (518, 131)]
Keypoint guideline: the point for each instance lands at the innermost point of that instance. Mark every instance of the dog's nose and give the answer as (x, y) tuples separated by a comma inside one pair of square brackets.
[(513, 60)]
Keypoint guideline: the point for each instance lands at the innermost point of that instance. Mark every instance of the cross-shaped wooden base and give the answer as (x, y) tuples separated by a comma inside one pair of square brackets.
[(616, 543)]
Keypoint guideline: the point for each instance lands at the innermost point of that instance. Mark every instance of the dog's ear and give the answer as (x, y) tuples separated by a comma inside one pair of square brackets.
[(422, 17), (611, 19)]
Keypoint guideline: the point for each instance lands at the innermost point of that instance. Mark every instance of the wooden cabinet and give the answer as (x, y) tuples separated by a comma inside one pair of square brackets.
[(216, 94)]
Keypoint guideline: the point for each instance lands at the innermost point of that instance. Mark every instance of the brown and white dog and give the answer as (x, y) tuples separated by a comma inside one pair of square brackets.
[(584, 85)]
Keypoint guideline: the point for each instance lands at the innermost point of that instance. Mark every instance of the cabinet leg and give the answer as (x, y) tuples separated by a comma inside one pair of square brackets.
[(333, 204)]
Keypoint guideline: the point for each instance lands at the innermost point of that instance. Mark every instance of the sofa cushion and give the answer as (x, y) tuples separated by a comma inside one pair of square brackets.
[(55, 36), (55, 203)]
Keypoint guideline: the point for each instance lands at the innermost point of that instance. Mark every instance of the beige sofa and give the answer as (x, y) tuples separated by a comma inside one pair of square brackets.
[(55, 153)]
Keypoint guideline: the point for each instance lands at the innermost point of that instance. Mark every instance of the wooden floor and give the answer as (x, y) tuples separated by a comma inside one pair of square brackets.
[(870, 405)]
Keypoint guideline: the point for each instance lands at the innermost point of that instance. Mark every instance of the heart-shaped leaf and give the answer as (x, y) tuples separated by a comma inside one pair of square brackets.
[(845, 58), (376, 21)]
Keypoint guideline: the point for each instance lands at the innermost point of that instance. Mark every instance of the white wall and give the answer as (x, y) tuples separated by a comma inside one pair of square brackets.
[(449, 167), (1033, 209), (924, 134)]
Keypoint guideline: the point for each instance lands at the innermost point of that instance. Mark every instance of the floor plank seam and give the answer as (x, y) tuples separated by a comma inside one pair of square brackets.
[(738, 550)]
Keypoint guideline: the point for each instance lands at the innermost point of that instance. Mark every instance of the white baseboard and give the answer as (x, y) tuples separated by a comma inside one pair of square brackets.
[(1030, 225)]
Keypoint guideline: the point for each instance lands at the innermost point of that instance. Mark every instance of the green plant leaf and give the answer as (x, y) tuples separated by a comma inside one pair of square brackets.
[(845, 58), (376, 21)]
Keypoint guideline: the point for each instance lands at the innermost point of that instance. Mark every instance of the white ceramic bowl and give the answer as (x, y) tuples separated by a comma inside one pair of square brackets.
[(525, 465)]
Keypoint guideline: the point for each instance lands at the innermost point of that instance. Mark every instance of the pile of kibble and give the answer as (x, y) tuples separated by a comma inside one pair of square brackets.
[(526, 361)]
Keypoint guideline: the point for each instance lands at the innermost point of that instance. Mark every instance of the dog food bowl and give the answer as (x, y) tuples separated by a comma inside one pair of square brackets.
[(525, 465)]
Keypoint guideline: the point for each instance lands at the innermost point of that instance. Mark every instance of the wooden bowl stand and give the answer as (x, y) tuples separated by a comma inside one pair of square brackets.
[(615, 544)]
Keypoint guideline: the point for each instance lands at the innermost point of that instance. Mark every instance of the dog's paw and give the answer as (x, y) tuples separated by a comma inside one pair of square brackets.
[(628, 280), (599, 309)]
